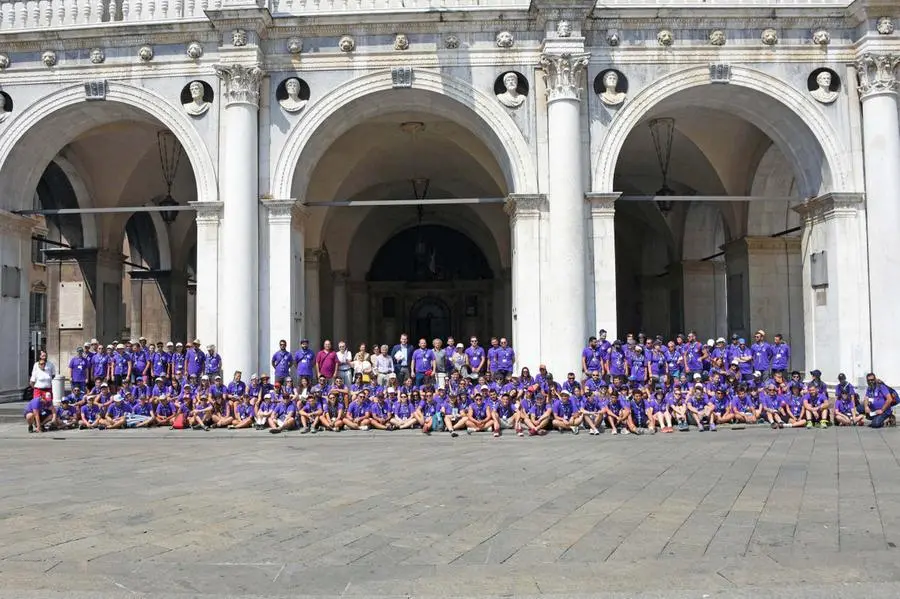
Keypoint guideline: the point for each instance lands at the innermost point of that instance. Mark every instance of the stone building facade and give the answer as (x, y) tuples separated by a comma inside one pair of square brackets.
[(536, 170)]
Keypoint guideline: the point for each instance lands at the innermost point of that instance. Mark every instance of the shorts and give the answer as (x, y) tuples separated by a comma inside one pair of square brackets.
[(506, 423)]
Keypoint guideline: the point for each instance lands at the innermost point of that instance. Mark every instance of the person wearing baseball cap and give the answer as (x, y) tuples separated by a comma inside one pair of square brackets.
[(79, 369), (194, 359)]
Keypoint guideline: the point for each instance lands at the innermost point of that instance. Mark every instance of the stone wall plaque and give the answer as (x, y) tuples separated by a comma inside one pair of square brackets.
[(71, 305), (95, 90), (720, 73), (401, 76)]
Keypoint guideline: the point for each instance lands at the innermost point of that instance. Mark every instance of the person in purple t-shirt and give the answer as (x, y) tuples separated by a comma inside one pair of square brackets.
[(282, 360), (480, 416), (475, 359), (115, 413), (423, 363), (845, 413), (39, 413)]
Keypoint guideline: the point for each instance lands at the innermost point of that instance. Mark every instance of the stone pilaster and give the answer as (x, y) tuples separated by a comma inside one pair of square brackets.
[(206, 311), (603, 268)]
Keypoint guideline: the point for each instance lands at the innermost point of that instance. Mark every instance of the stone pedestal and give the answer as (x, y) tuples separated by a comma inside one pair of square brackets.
[(564, 64), (881, 145), (527, 219), (836, 309), (603, 263), (206, 300), (238, 180)]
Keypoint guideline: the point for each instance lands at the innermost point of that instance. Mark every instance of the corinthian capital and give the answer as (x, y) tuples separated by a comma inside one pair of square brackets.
[(241, 83), (877, 74), (564, 75)]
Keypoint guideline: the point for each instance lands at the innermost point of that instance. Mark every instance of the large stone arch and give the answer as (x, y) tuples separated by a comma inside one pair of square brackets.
[(345, 106), (804, 135), (25, 150)]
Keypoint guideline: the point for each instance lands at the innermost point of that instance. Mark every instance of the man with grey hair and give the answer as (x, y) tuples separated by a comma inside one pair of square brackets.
[(440, 363), (384, 366)]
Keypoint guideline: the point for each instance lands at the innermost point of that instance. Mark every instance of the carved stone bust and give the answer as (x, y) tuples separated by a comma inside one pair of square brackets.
[(3, 111), (146, 53), (665, 37), (823, 92), (48, 58), (98, 56), (197, 106), (346, 44), (564, 29), (451, 42), (505, 39), (401, 42), (821, 38), (4, 62), (610, 96), (511, 98), (295, 45), (194, 50), (293, 102), (239, 37), (769, 37), (612, 37), (717, 37), (884, 26)]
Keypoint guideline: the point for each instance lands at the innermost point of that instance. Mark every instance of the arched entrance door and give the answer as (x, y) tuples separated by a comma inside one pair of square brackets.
[(430, 319), (431, 281)]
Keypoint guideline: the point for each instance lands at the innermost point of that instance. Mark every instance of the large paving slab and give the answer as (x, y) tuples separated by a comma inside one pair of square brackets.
[(159, 513)]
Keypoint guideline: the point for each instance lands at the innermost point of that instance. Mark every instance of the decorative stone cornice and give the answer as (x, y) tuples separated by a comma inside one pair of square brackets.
[(829, 206), (312, 255), (602, 204), (877, 74), (208, 213), (241, 83), (527, 205), (285, 211), (564, 75)]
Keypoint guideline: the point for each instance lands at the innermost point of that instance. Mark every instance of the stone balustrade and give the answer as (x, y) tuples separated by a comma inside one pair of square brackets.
[(17, 15), (35, 14)]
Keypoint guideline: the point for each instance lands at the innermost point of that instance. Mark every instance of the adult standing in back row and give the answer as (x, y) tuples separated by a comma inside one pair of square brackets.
[(326, 361), (402, 356)]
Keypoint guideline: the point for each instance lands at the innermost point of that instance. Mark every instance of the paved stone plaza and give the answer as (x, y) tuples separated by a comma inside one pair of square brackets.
[(243, 514)]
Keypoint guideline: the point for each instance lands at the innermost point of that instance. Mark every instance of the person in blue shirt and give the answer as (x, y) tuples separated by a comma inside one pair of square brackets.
[(282, 360)]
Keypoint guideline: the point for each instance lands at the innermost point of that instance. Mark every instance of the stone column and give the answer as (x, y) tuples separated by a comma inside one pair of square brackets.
[(15, 253), (206, 302), (836, 307), (564, 64), (881, 147), (238, 181), (603, 251), (191, 315), (285, 224), (525, 224), (137, 305), (312, 323), (340, 307)]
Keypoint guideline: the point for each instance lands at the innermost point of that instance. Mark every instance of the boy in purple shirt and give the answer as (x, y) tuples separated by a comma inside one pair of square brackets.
[(480, 416), (506, 416), (475, 359), (565, 415), (115, 413), (355, 416), (282, 360), (845, 413), (91, 417), (423, 363), (879, 403), (243, 413), (66, 415), (283, 415), (164, 411)]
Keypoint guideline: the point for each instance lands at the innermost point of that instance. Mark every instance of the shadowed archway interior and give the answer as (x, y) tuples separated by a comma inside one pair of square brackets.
[(429, 253)]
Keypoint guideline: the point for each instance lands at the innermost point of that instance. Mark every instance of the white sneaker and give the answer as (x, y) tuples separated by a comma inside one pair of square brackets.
[(614, 431), (625, 431), (364, 427)]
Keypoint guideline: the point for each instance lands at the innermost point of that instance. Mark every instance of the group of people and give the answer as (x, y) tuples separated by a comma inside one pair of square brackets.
[(639, 385)]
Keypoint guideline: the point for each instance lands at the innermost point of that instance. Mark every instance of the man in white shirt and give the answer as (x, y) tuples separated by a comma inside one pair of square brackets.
[(384, 366), (345, 366)]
